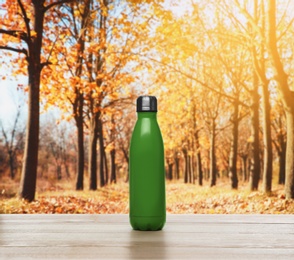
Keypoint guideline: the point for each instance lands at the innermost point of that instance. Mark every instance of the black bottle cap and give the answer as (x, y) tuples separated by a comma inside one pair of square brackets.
[(146, 104)]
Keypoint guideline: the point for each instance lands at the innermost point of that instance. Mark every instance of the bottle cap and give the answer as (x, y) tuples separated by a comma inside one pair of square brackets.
[(146, 104)]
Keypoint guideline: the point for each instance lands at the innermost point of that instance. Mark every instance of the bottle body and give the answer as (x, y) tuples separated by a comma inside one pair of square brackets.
[(147, 175)]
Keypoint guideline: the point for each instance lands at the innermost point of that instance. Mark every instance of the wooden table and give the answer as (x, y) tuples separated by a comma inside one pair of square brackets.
[(111, 237)]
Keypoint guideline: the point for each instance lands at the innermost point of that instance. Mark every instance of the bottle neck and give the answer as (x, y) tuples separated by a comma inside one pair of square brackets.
[(151, 115)]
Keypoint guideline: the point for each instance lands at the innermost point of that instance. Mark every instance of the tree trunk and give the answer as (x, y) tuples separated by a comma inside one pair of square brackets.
[(287, 96), (58, 172), (78, 105), (80, 136), (244, 167), (212, 158), (289, 181), (282, 169), (198, 159), (177, 163), (105, 167), (193, 168), (282, 159), (199, 168), (255, 147), (126, 156), (101, 148), (11, 164), (113, 152), (267, 139), (197, 144), (190, 177), (185, 152), (113, 167), (234, 148), (170, 171), (29, 170), (93, 151), (30, 160), (67, 170)]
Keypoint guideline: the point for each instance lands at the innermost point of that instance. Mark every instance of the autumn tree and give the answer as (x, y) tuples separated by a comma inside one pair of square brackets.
[(22, 29), (282, 79), (75, 19), (278, 123), (56, 147), (125, 121), (271, 44), (110, 65), (245, 140)]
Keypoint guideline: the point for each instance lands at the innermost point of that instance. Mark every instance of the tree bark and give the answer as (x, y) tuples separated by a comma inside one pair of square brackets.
[(267, 139), (93, 151), (30, 160), (282, 157), (101, 149), (177, 163), (78, 105), (190, 177), (126, 156), (113, 152), (29, 170), (170, 171), (212, 165), (244, 167), (287, 96), (289, 180), (80, 136), (198, 159), (105, 167), (185, 152), (255, 146), (282, 168), (113, 167), (234, 148), (11, 164), (58, 172)]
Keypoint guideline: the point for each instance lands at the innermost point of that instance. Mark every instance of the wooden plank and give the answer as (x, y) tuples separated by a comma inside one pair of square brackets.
[(208, 240), (135, 252), (123, 218), (210, 228), (111, 237)]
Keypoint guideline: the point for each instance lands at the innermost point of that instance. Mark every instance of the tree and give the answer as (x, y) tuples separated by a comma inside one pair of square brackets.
[(254, 151), (13, 141), (56, 147), (269, 41), (281, 77), (279, 141), (28, 33)]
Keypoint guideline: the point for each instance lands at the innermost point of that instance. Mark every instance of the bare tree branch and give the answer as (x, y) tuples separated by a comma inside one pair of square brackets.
[(14, 127), (25, 18), (289, 26), (189, 76), (24, 51), (15, 33), (250, 19), (57, 3), (43, 64)]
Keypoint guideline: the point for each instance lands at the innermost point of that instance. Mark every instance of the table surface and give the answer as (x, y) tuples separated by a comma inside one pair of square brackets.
[(111, 237)]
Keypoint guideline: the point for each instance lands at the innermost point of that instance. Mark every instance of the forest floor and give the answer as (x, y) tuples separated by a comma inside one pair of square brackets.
[(181, 199)]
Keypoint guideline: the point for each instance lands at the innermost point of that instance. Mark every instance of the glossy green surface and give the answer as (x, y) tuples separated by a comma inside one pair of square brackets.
[(147, 175)]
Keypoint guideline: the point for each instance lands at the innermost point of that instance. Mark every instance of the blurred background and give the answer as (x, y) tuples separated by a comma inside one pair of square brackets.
[(71, 71)]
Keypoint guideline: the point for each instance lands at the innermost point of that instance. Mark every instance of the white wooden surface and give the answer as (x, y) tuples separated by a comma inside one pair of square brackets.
[(111, 237)]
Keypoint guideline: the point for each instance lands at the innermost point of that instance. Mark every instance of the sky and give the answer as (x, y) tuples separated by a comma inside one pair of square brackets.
[(10, 100)]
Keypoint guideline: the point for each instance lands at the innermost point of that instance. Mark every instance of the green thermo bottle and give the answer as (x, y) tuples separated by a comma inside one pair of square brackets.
[(147, 175)]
